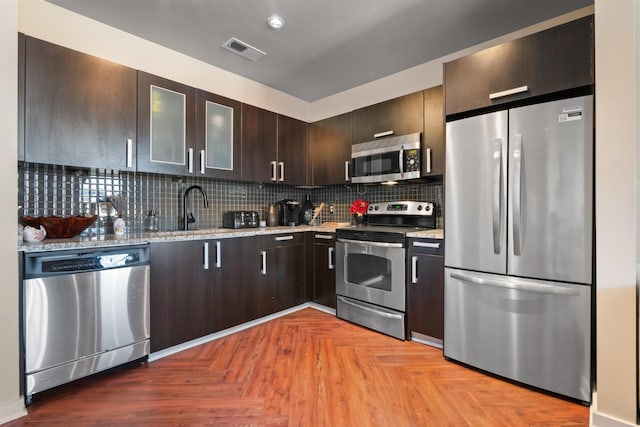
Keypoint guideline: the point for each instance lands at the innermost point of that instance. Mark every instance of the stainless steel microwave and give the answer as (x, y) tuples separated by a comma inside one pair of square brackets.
[(387, 159)]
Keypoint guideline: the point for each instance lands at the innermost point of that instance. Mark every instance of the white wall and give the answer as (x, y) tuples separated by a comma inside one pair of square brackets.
[(11, 406), (616, 138)]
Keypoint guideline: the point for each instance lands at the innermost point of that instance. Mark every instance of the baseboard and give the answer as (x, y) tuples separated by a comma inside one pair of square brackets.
[(10, 411), (202, 340), (602, 420)]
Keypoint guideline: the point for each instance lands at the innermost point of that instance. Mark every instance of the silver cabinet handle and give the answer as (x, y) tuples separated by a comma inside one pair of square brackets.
[(515, 284), (496, 193), (274, 171), (206, 256), (381, 134), (202, 158), (517, 193), (426, 245), (508, 92), (263, 270), (414, 269), (331, 251), (190, 160), (281, 164), (428, 160), (346, 170), (129, 153), (218, 254), (324, 236), (283, 238)]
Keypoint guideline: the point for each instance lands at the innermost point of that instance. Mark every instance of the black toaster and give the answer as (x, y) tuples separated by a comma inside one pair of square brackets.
[(240, 219)]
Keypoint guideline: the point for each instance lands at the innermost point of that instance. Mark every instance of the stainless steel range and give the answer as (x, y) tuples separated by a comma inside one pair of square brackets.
[(371, 265)]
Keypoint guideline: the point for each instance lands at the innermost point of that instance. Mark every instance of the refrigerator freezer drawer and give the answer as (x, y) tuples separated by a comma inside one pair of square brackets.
[(531, 331)]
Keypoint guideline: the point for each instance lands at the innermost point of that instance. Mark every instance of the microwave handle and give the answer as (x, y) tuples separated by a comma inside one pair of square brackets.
[(401, 160)]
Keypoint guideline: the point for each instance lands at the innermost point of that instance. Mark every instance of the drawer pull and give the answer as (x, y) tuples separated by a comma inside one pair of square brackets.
[(283, 238), (324, 236), (426, 245), (381, 134)]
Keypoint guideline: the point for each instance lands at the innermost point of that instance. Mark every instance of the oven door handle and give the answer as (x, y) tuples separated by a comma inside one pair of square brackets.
[(367, 243)]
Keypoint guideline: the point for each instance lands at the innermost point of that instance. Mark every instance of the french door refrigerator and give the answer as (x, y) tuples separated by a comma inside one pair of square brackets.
[(518, 258)]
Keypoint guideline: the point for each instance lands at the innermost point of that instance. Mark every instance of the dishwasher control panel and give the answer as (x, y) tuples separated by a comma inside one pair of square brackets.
[(39, 264)]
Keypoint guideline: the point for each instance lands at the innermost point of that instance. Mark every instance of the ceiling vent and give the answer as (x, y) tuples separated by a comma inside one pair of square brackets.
[(243, 49)]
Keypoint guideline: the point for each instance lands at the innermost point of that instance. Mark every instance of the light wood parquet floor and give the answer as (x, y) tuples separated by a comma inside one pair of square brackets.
[(304, 369)]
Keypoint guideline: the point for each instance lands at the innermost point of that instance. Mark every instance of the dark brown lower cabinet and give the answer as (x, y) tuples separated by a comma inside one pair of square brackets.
[(234, 296), (281, 272), (425, 297), (324, 272), (180, 293)]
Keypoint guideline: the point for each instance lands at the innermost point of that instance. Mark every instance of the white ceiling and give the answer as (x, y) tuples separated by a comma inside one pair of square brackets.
[(326, 46)]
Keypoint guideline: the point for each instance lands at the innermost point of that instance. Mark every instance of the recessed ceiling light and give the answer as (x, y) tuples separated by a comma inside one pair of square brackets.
[(275, 22)]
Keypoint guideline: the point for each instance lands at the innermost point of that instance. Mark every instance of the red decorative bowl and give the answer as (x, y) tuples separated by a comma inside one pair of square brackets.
[(59, 227)]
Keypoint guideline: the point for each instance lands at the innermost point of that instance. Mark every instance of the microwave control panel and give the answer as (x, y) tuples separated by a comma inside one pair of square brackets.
[(412, 160)]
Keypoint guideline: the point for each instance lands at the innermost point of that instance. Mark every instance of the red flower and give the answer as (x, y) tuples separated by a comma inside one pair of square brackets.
[(359, 207)]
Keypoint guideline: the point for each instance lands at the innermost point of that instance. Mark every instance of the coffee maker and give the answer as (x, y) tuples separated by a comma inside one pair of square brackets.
[(289, 212)]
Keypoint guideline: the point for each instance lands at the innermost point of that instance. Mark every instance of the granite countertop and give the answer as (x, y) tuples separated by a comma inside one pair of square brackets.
[(167, 236)]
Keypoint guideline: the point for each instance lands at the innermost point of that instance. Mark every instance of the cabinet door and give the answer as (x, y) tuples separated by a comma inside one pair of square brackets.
[(281, 272), (218, 136), (166, 126), (324, 273), (433, 138), (425, 299), (180, 293), (80, 110), (401, 116), (473, 81), (330, 150), (292, 151), (259, 144), (234, 299), (21, 88), (563, 57)]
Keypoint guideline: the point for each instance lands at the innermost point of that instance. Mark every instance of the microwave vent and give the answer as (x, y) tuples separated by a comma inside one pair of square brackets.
[(243, 49)]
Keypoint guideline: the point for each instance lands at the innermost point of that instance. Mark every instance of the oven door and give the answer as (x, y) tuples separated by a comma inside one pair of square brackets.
[(372, 272)]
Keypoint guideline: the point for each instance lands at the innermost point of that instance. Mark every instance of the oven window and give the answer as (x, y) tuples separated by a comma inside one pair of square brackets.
[(369, 271)]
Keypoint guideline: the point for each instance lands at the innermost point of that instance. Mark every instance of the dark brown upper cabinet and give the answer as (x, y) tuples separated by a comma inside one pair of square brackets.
[(330, 150), (79, 110), (292, 151), (218, 136), (398, 116), (274, 147), (21, 87), (554, 60), (433, 137), (166, 126), (259, 144)]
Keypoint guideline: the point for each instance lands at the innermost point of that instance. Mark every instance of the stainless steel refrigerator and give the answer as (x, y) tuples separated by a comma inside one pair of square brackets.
[(519, 252)]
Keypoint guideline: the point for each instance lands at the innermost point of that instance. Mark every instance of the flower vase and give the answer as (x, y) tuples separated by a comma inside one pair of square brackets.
[(359, 220)]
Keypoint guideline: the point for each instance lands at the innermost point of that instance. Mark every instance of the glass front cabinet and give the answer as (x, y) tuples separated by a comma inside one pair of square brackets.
[(186, 131)]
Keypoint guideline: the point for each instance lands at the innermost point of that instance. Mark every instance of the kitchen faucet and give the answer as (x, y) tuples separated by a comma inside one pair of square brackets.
[(186, 220)]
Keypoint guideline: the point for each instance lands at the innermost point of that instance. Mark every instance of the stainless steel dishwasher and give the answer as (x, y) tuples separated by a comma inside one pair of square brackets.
[(84, 311)]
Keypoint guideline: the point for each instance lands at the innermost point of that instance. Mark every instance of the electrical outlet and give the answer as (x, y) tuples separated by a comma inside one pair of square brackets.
[(331, 209)]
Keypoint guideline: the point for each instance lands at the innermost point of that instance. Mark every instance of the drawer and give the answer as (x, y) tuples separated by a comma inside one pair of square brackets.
[(273, 240), (426, 246)]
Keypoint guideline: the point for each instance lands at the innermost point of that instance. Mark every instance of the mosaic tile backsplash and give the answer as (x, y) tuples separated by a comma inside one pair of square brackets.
[(59, 190)]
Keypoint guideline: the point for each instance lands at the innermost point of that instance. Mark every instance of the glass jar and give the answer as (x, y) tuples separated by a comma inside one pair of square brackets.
[(151, 222)]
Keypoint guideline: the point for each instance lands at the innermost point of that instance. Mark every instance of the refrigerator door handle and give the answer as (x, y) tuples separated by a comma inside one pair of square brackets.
[(517, 193), (497, 195), (515, 284)]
